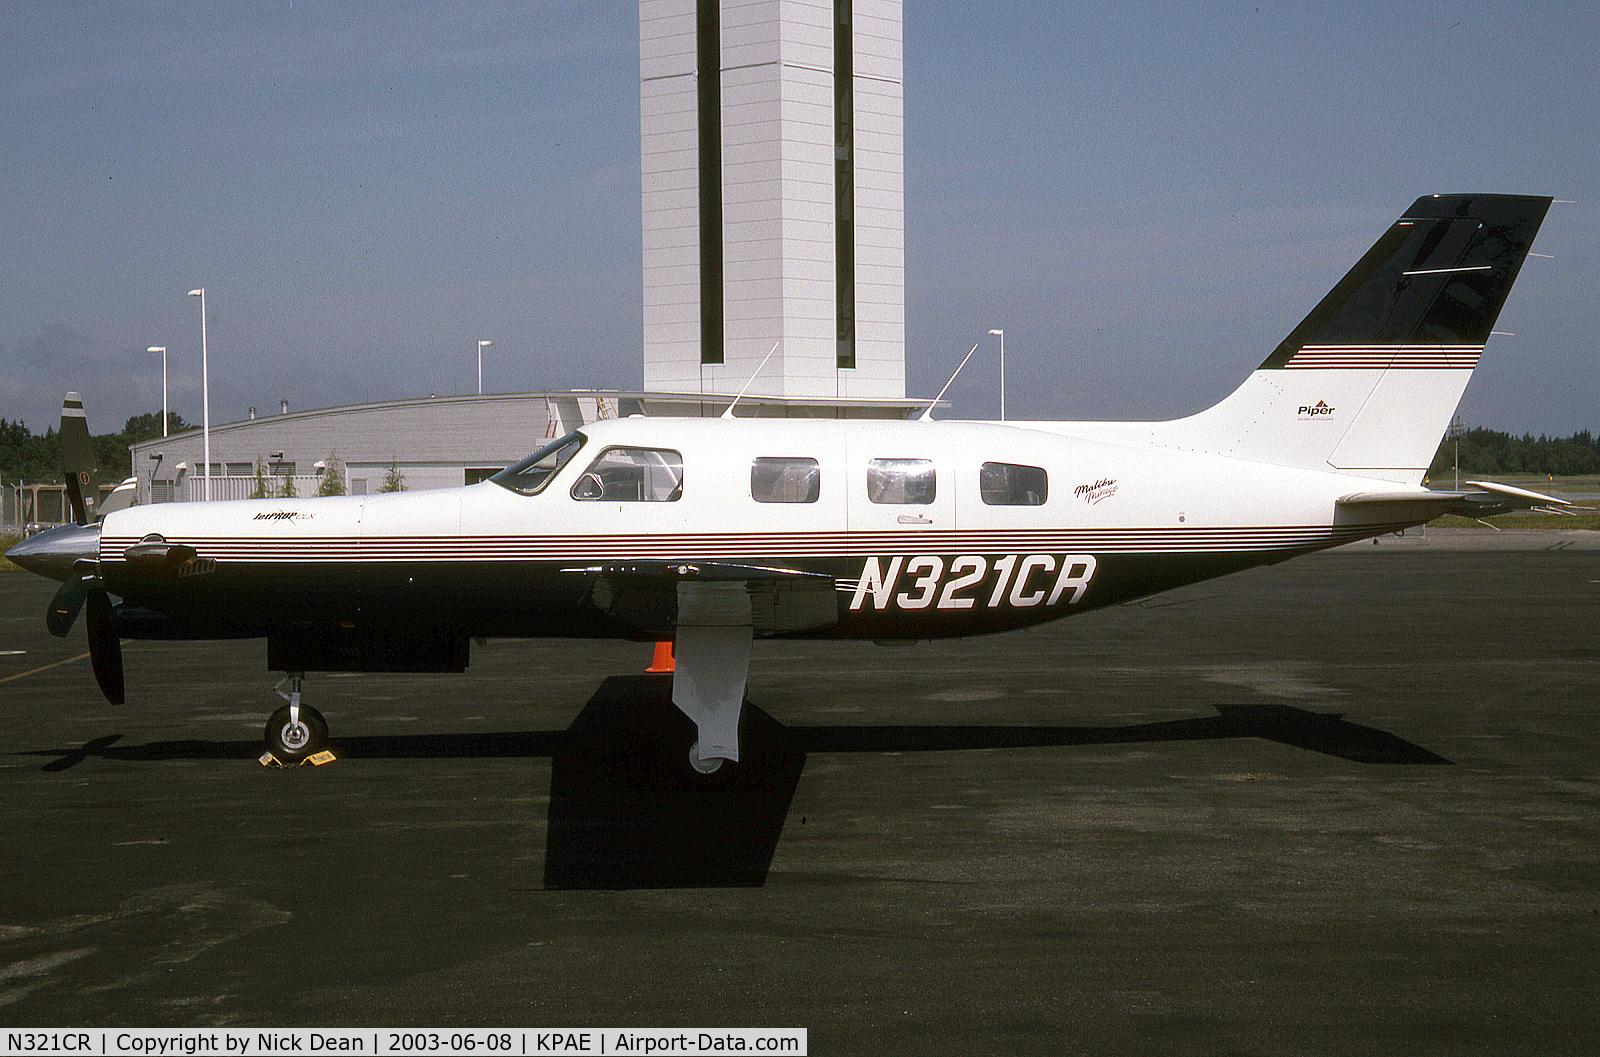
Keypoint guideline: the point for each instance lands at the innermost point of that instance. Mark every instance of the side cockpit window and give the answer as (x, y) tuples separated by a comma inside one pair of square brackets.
[(529, 476), (901, 482), (632, 475), (785, 480), (1006, 484)]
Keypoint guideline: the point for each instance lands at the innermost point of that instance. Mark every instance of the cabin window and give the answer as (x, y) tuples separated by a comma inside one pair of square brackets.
[(632, 475), (529, 476), (785, 480), (901, 482), (1005, 484)]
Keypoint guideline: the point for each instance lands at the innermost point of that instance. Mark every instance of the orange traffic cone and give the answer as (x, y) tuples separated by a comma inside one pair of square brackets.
[(662, 662)]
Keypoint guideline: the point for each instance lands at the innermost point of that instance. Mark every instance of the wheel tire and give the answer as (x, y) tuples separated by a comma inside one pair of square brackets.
[(705, 767), (293, 744), (694, 769)]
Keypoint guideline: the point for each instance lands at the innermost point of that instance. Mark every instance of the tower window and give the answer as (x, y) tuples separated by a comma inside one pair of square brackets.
[(708, 64), (844, 180)]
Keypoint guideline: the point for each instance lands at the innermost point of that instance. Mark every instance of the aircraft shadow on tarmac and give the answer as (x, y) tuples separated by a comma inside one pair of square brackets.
[(627, 812)]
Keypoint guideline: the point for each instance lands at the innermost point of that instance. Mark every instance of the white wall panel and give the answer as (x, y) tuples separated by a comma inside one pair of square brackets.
[(777, 181)]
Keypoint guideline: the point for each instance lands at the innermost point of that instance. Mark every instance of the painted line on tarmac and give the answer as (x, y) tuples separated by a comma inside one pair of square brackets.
[(44, 668)]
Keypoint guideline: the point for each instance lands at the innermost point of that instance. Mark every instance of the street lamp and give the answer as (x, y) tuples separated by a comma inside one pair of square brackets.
[(205, 386), (162, 349), (1002, 336), (481, 344), (1457, 430)]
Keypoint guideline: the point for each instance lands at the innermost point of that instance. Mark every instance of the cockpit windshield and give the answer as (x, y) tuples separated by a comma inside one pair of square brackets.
[(529, 476)]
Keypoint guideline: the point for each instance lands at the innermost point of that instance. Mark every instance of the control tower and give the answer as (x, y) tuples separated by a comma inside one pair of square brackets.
[(771, 136)]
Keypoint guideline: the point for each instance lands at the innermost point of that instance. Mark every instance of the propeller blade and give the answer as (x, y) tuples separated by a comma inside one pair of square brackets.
[(105, 645), (77, 458), (64, 607)]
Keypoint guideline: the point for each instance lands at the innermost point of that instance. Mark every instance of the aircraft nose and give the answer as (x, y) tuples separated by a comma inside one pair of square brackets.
[(51, 553)]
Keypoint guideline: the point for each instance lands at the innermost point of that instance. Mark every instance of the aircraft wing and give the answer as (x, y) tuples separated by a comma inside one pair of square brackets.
[(656, 596), (1486, 499)]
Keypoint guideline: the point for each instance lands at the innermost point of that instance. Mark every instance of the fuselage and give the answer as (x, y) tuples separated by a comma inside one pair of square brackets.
[(927, 529)]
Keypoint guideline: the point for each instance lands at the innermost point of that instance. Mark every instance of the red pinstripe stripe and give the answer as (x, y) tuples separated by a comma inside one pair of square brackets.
[(1410, 357)]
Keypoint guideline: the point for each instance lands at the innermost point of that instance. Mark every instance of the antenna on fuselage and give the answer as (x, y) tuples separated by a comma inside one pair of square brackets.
[(729, 413), (926, 414)]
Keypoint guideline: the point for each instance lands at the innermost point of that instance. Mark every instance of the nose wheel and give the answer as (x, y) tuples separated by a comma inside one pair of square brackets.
[(295, 731)]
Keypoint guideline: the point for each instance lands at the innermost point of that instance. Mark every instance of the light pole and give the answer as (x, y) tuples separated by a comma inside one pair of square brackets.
[(1457, 430), (481, 344), (162, 349), (1001, 334), (205, 386)]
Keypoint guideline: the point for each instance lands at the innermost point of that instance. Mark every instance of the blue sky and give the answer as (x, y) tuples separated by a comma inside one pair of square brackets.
[(1147, 197)]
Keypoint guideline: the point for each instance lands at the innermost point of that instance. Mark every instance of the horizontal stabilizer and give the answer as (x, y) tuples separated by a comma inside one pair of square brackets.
[(1485, 500)]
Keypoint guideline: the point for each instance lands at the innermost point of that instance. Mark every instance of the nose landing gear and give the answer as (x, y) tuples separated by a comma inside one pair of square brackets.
[(295, 731)]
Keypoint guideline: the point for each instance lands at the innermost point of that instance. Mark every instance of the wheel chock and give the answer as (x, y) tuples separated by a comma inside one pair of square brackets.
[(316, 759)]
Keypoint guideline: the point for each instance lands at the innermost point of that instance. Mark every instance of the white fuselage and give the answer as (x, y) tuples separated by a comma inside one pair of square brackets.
[(1111, 521)]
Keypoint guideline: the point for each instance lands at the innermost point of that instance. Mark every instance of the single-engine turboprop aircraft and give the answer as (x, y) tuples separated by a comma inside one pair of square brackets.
[(714, 532)]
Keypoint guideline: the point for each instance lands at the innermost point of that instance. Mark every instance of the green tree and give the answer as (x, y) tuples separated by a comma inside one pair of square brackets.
[(393, 479), (263, 488), (1489, 451), (148, 426), (332, 476), (24, 456), (288, 490), (111, 457)]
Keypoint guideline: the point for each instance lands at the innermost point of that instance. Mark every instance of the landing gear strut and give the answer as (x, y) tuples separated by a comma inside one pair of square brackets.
[(712, 658), (295, 731)]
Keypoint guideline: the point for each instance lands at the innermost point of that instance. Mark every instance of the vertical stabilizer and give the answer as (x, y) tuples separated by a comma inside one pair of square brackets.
[(1368, 381)]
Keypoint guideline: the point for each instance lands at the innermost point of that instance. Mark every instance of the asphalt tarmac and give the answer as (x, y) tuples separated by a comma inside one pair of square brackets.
[(1346, 805)]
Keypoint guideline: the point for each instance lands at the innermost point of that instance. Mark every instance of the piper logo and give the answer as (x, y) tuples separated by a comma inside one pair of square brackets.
[(1321, 408)]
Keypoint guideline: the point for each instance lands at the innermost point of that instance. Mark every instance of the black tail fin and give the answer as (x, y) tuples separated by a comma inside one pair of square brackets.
[(1367, 383), (1437, 279)]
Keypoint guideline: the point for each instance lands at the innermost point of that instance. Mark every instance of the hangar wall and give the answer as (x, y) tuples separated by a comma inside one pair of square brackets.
[(431, 442)]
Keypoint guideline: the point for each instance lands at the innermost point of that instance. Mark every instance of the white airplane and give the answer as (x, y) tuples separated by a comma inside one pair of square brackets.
[(714, 532)]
